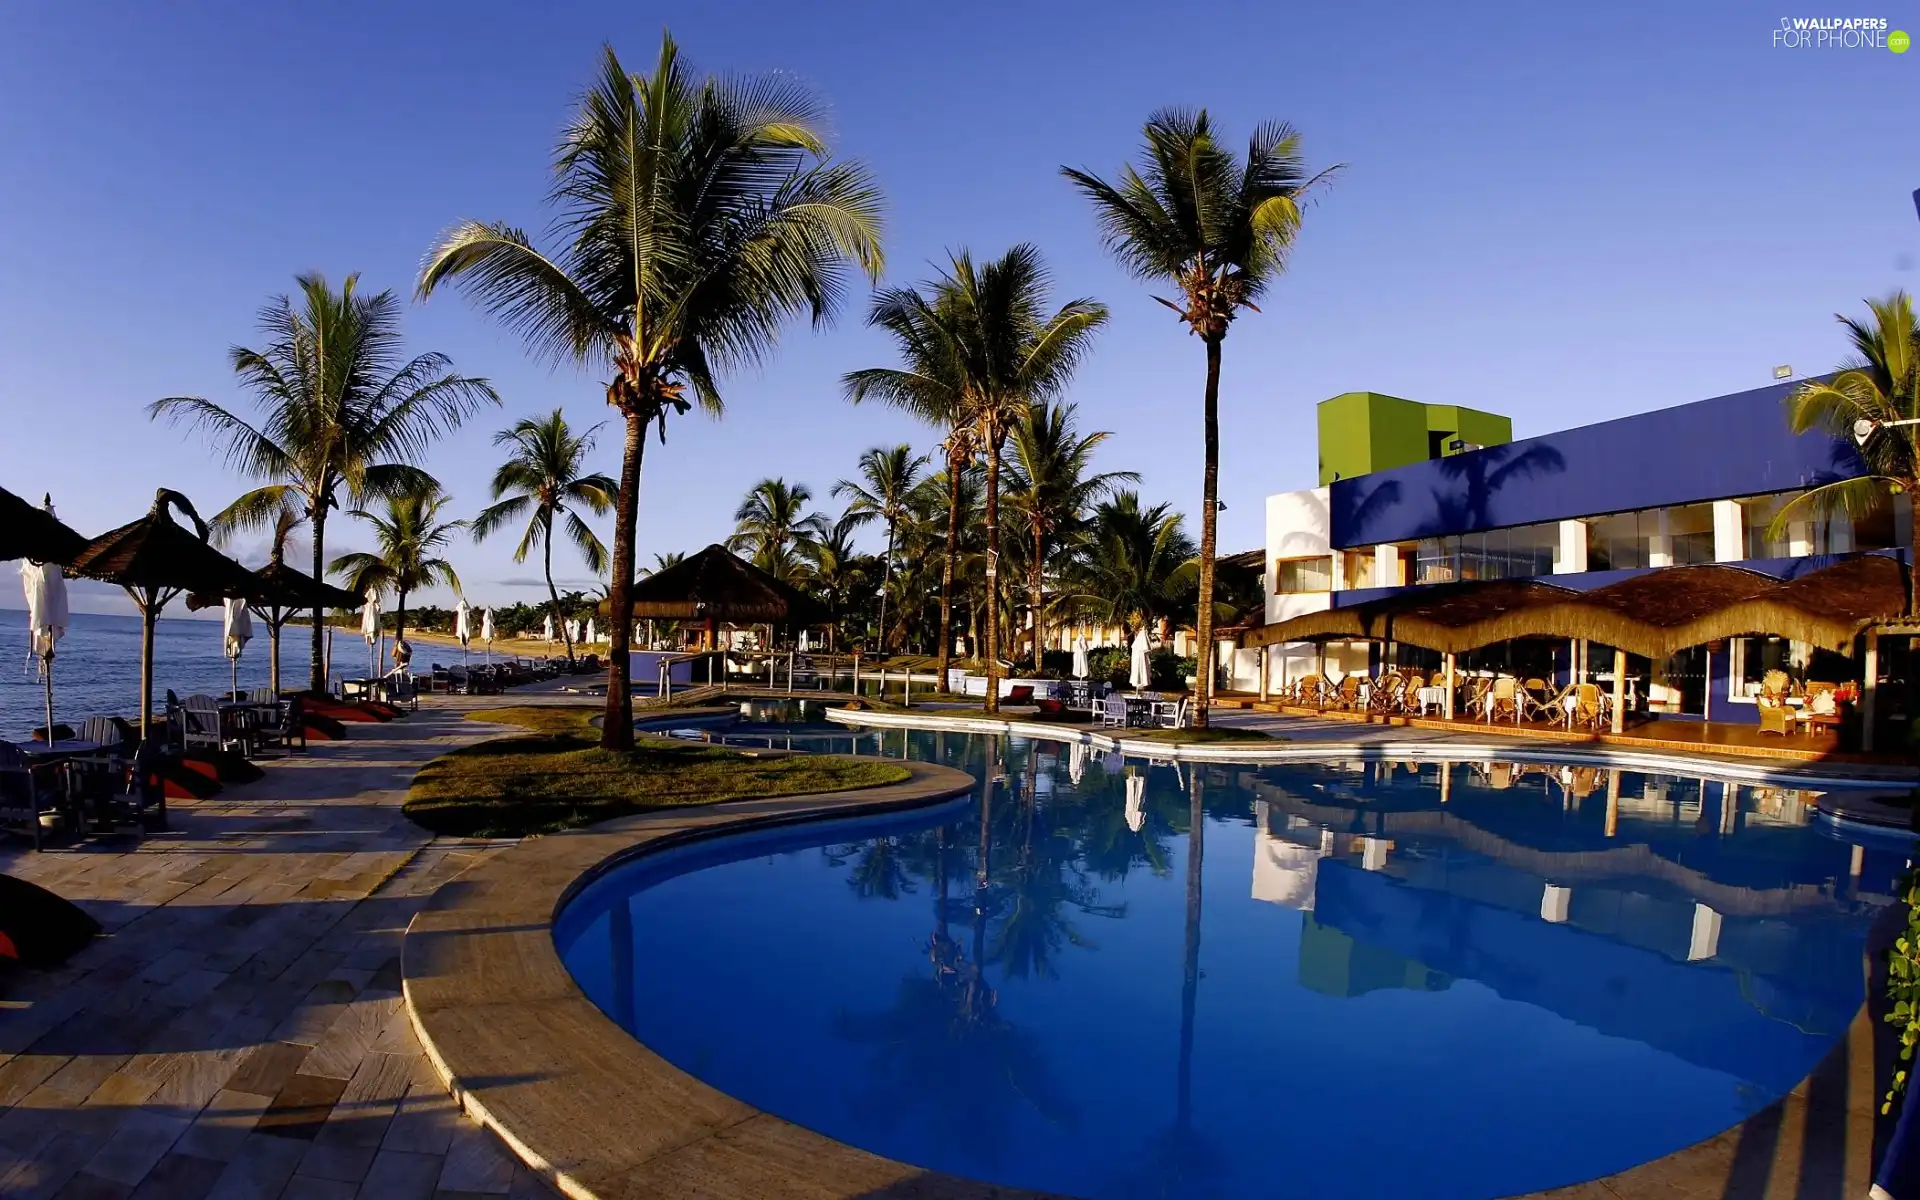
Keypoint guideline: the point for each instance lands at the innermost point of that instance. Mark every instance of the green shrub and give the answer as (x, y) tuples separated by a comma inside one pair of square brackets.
[(1903, 987)]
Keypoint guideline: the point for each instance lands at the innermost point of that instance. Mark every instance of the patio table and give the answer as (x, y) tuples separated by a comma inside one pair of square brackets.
[(1431, 698), (64, 749)]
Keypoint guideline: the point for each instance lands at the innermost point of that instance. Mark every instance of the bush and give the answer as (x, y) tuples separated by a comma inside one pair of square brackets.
[(1168, 670)]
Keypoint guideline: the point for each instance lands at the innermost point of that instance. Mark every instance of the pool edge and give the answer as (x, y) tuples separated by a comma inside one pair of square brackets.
[(597, 1114)]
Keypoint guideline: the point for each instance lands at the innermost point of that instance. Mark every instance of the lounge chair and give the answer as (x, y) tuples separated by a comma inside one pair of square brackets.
[(1018, 695)]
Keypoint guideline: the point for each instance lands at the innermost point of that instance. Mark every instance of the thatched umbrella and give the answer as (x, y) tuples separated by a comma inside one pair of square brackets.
[(717, 586), (286, 593), (35, 533), (156, 560)]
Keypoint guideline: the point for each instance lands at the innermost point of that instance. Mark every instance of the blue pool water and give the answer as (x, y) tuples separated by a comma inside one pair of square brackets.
[(1233, 981)]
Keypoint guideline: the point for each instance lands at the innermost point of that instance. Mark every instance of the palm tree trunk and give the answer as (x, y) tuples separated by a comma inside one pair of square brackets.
[(944, 661), (399, 623), (992, 655), (1035, 597), (886, 582), (553, 593), (1209, 520), (616, 730), (316, 666)]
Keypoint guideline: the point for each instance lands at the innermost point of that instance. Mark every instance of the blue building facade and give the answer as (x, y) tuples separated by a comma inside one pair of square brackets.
[(1583, 507)]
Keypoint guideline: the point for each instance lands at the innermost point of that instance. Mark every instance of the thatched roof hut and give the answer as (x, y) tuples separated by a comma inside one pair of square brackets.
[(716, 586), (29, 532), (1652, 615), (156, 554)]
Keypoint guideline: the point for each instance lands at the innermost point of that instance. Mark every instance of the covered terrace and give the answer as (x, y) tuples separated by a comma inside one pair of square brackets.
[(1708, 655)]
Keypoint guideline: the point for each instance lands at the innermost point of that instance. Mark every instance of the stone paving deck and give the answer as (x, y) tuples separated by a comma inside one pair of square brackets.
[(239, 1033)]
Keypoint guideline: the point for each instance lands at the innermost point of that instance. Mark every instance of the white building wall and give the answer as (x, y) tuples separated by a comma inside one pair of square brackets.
[(1297, 527), (1729, 531)]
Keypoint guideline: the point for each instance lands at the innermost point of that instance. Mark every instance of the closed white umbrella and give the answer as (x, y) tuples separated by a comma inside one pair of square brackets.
[(46, 589), (1138, 675), (1076, 762), (591, 636), (1136, 802), (546, 630), (486, 631), (238, 632), (370, 630), (463, 627), (1081, 668), (803, 641)]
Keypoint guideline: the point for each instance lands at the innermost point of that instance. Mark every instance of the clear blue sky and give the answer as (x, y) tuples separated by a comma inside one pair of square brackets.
[(1561, 212)]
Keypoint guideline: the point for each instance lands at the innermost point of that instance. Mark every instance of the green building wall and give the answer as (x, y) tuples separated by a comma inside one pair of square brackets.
[(1362, 432)]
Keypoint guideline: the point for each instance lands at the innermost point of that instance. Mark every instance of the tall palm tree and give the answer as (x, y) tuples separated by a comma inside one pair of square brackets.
[(1135, 565), (773, 526), (694, 216), (544, 474), (1218, 229), (410, 536), (889, 475), (340, 411), (988, 336), (1879, 383), (1051, 485), (837, 572)]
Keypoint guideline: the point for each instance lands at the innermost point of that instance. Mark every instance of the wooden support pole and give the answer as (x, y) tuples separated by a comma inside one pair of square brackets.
[(1619, 687), (1450, 687), (1869, 689), (1264, 650)]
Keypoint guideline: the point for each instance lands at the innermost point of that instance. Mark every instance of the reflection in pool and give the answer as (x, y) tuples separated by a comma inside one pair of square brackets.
[(1105, 977)]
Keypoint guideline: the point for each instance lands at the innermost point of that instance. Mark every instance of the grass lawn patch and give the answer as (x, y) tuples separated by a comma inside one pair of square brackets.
[(557, 777), (1198, 737)]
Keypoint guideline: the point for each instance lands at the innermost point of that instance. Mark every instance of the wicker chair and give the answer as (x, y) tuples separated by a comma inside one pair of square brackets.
[(1503, 699), (1775, 716), (1588, 707)]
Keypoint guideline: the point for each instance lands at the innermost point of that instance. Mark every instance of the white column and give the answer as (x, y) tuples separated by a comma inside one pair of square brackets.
[(1705, 942), (1386, 565), (1613, 802), (1554, 903), (1450, 685), (1264, 665), (1570, 556), (1799, 538), (1729, 531), (1869, 689), (1660, 542), (1729, 807)]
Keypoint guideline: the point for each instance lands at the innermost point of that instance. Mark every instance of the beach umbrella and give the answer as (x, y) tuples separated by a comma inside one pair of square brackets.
[(284, 594), (591, 637), (370, 630), (463, 627), (156, 560), (46, 590), (1076, 762), (546, 630), (486, 631), (35, 533), (1137, 673), (1136, 801), (1081, 668), (237, 632)]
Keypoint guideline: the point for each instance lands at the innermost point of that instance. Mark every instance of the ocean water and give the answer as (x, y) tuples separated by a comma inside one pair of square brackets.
[(96, 669)]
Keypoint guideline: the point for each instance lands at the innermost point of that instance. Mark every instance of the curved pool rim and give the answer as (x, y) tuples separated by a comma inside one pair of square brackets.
[(597, 1113)]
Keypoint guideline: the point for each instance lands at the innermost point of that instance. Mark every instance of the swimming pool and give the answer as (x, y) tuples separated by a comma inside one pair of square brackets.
[(1106, 977)]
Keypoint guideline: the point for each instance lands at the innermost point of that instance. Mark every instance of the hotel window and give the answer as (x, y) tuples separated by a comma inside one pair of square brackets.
[(1358, 569), (1753, 657), (1835, 534), (1690, 534), (1303, 575), (1622, 542), (1512, 553)]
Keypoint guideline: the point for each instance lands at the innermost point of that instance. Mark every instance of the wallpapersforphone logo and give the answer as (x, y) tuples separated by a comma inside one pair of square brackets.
[(1839, 33)]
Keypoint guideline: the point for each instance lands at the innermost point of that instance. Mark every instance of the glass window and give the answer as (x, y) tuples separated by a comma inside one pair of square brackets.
[(1304, 574), (1753, 657), (1690, 534), (1434, 560), (1619, 543)]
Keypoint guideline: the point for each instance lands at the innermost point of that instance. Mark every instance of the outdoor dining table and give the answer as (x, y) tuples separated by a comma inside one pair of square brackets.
[(1431, 698), (1139, 709), (64, 749)]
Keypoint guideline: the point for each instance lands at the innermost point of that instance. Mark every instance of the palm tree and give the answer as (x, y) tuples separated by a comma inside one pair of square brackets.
[(543, 474), (1218, 229), (695, 215), (1878, 384), (281, 525), (890, 474), (340, 411), (1134, 565), (1051, 488), (837, 572), (410, 535), (987, 335), (773, 526)]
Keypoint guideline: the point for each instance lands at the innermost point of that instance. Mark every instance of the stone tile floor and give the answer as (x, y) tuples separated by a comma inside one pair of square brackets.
[(239, 1033)]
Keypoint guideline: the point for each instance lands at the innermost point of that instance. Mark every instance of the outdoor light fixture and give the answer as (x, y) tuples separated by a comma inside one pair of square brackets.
[(1864, 428), (1783, 371)]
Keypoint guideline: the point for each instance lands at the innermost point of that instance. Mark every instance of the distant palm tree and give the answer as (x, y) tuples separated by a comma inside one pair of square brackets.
[(836, 570), (1219, 230), (280, 529), (696, 215), (543, 474), (341, 411), (410, 535), (1051, 486), (889, 474), (661, 562), (1878, 384), (773, 526), (990, 336), (1135, 565)]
